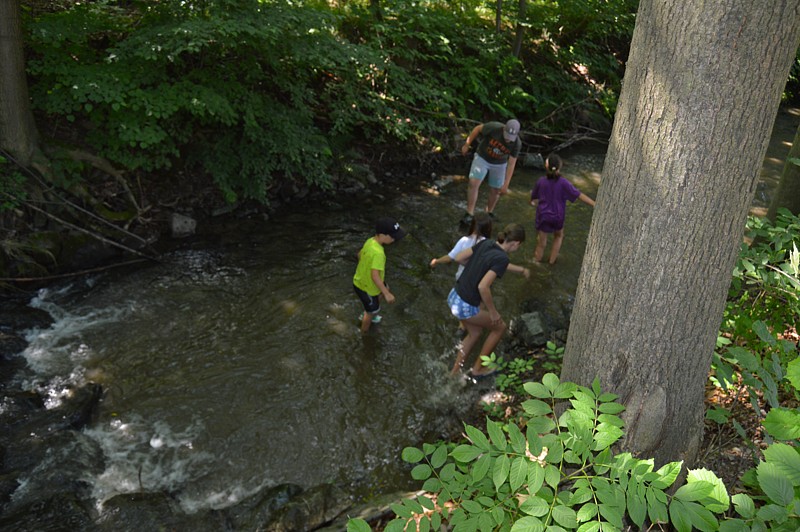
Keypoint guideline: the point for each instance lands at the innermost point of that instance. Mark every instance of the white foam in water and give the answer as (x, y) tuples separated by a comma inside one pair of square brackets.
[(145, 457), (56, 350)]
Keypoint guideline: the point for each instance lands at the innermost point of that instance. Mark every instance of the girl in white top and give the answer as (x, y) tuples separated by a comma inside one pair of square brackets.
[(479, 229)]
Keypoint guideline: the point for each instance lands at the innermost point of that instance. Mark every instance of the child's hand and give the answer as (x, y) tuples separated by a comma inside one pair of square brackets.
[(390, 297), (434, 262), (526, 272)]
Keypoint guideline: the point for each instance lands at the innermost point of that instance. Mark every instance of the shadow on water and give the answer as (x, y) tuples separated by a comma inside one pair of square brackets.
[(238, 363)]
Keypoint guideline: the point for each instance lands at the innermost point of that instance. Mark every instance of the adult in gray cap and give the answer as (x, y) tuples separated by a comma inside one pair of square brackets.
[(495, 157)]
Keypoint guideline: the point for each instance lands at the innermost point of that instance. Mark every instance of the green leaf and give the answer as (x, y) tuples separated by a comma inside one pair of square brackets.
[(536, 389), (565, 516), (667, 474), (612, 514), (774, 484), (401, 510), (611, 408), (701, 518), (552, 476), (550, 381), (518, 442), (783, 424), (421, 472), (535, 477), (471, 506), (426, 502), (358, 525), (761, 329), (733, 525), (500, 471), (496, 434), (477, 438), (564, 390), (536, 407), (439, 457), (396, 525), (541, 425), (586, 512), (786, 459), (535, 506), (694, 491), (465, 453), (519, 473), (744, 358), (793, 373), (744, 505), (414, 506), (606, 436), (432, 485), (718, 415), (718, 501), (772, 512), (637, 506), (680, 517), (656, 509), (412, 455), (527, 524), (594, 526), (481, 468)]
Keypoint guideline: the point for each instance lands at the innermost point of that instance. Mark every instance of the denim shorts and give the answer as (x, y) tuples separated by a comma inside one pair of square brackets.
[(460, 308), (480, 168)]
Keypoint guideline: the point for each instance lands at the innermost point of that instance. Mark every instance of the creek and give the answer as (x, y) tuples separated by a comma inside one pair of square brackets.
[(236, 364)]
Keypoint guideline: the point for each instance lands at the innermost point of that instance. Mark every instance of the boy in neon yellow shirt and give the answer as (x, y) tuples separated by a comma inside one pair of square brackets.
[(368, 280)]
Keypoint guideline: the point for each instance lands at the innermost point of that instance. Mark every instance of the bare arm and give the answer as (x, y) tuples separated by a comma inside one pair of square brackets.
[(472, 136), (444, 259), (519, 269), (464, 256), (376, 278), (485, 289), (586, 199), (512, 163)]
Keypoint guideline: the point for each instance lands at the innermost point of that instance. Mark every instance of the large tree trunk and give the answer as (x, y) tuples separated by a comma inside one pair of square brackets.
[(18, 134), (700, 94), (787, 195)]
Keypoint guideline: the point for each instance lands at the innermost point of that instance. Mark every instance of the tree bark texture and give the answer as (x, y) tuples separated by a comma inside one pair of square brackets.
[(787, 195), (701, 91), (18, 134)]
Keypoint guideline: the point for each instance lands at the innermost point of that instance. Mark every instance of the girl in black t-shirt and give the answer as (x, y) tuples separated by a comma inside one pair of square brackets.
[(471, 299)]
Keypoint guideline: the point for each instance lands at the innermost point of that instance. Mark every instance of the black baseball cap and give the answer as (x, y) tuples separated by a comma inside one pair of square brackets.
[(389, 226)]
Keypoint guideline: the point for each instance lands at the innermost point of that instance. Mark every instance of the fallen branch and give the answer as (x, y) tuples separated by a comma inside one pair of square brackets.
[(81, 229), (70, 274)]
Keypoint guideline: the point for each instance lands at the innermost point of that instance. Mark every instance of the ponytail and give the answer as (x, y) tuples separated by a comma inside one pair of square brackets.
[(553, 166), (512, 233)]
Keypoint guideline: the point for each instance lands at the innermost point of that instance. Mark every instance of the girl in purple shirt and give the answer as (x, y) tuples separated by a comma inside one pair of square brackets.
[(549, 196)]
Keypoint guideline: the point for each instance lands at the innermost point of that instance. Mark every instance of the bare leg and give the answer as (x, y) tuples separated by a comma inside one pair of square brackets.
[(472, 337), (495, 334), (366, 321), (541, 242), (558, 238), (472, 195), (494, 195)]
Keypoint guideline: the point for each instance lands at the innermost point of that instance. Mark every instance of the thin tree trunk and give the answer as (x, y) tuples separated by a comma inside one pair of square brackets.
[(498, 17), (787, 195), (523, 7), (18, 133), (701, 91)]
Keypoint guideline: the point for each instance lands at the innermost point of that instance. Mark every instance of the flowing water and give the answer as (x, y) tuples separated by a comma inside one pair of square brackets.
[(237, 362)]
